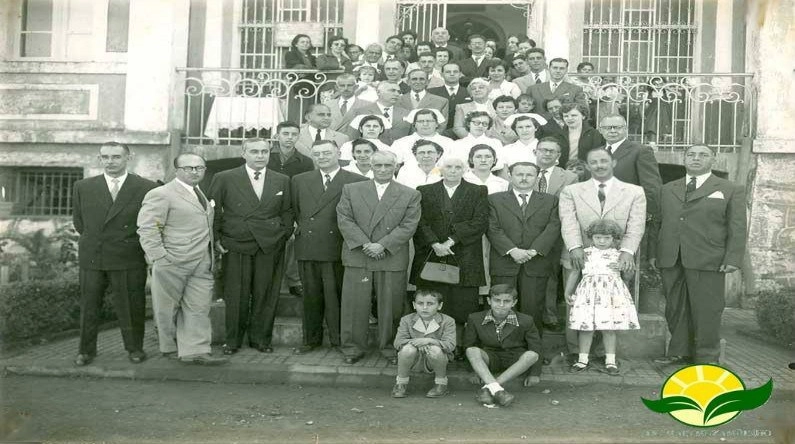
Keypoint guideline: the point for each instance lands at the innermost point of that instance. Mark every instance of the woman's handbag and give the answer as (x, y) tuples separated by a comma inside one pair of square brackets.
[(440, 272)]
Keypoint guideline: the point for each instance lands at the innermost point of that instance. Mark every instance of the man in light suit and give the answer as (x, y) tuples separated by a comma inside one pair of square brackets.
[(388, 93), (105, 209), (253, 220), (635, 163), (521, 74), (342, 107), (556, 87), (419, 97), (702, 238), (602, 197), (317, 127), (524, 231), (377, 218), (453, 92), (175, 226), (551, 180), (318, 243)]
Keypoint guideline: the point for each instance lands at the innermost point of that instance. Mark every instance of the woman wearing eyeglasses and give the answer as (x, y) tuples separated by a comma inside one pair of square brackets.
[(335, 59), (477, 123), (479, 91)]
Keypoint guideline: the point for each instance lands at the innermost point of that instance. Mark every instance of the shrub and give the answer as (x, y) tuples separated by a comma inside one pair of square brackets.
[(38, 308), (775, 313)]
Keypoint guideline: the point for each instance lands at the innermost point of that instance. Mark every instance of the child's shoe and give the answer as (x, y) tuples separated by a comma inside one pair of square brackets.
[(399, 391), (484, 396), (437, 391), (503, 398), (612, 370)]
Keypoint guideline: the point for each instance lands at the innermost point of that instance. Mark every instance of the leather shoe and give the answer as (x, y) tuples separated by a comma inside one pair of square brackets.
[(304, 349), (484, 396), (205, 359), (83, 359), (459, 354), (552, 326), (437, 391), (578, 367), (612, 370), (264, 348), (503, 398), (352, 359), (227, 350), (137, 357), (399, 391), (297, 290), (170, 355), (672, 360)]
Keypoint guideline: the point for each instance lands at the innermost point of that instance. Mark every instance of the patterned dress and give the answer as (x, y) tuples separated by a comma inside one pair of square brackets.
[(602, 300)]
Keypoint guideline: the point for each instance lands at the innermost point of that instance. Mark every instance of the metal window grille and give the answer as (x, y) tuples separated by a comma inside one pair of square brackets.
[(40, 191), (638, 36), (257, 44)]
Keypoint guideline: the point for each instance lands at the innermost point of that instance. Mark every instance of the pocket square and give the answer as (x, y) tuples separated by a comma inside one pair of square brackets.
[(280, 193), (716, 195)]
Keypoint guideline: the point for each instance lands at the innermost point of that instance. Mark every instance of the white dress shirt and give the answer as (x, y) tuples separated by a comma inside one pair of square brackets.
[(380, 189), (519, 152), (615, 145), (404, 144), (354, 168), (331, 175), (451, 191), (519, 198), (391, 111), (494, 183), (313, 132), (699, 179), (120, 179), (608, 185), (461, 148), (257, 184), (412, 176)]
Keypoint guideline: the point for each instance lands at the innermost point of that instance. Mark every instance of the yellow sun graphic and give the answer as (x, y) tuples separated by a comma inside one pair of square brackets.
[(701, 383)]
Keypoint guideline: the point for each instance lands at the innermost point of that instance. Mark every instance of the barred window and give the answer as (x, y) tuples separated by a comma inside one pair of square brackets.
[(639, 36), (39, 191)]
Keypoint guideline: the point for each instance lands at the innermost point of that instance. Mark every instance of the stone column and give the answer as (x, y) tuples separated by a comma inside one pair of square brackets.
[(556, 28), (770, 52)]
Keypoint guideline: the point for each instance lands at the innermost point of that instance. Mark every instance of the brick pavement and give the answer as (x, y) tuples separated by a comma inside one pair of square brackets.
[(753, 360)]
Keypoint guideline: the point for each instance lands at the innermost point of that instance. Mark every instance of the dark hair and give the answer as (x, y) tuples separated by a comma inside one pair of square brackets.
[(408, 32), (335, 38), (361, 141), (252, 140), (393, 37), (566, 107), (494, 63), (575, 162), (371, 117), (298, 37), (311, 108), (287, 124), (582, 65), (559, 60), (548, 101), (478, 147), (423, 142), (527, 164), (503, 98), (499, 289), (114, 143), (424, 111), (604, 226), (518, 55), (427, 54), (475, 36), (440, 49), (427, 292), (525, 96), (711, 148), (527, 39), (424, 43), (599, 148), (181, 155), (451, 63), (538, 50), (552, 139), (522, 119), (475, 114), (399, 62), (353, 45), (324, 142)]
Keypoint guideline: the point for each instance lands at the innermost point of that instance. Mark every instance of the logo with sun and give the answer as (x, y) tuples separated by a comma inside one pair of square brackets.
[(707, 396)]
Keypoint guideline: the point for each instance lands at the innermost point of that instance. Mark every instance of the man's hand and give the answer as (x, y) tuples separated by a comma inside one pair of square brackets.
[(577, 257), (374, 250), (419, 342), (626, 262), (653, 263), (520, 256), (728, 268), (441, 250), (220, 248)]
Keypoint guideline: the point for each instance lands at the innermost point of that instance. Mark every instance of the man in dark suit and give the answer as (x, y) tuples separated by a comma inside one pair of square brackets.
[(105, 208), (388, 93), (476, 65), (702, 238), (635, 163), (318, 242), (393, 72), (175, 226), (377, 218), (440, 38), (253, 219), (556, 87), (524, 232), (419, 97), (453, 92)]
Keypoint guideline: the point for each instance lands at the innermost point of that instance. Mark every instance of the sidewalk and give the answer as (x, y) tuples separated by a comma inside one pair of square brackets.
[(754, 361)]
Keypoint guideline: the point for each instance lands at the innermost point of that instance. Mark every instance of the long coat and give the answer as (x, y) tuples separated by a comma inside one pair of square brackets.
[(108, 240), (318, 236), (465, 223), (636, 164)]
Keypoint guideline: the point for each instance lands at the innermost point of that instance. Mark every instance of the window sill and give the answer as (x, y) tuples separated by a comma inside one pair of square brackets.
[(23, 66)]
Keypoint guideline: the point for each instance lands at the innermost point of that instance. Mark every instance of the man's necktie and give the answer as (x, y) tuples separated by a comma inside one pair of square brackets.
[(523, 196), (344, 107), (553, 86), (691, 186), (601, 195), (317, 136), (327, 182), (114, 190), (542, 182), (386, 113), (257, 174), (451, 92), (537, 77), (257, 188), (417, 98), (200, 196), (610, 149)]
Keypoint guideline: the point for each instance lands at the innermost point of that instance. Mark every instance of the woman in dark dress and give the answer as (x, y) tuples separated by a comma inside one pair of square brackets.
[(580, 136), (299, 56)]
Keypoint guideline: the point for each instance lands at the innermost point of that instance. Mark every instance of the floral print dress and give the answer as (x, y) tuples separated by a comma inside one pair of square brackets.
[(602, 300)]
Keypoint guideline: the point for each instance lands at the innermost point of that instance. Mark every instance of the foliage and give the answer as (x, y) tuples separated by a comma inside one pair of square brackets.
[(46, 255), (775, 313), (650, 278)]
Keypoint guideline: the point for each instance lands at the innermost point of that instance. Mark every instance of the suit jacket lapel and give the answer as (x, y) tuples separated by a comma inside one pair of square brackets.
[(705, 189), (507, 329), (614, 196), (187, 195), (532, 205), (554, 180), (245, 187), (679, 189), (623, 150), (386, 202), (371, 199), (324, 197), (588, 194), (124, 196), (510, 202)]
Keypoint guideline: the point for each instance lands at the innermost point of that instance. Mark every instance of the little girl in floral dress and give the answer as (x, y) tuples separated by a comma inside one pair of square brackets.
[(601, 301)]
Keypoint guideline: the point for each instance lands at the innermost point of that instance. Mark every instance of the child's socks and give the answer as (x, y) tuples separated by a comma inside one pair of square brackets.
[(440, 381), (402, 380), (583, 357), (610, 359), (494, 387)]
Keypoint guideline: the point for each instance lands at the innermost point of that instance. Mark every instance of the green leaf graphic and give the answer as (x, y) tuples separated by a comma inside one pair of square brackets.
[(738, 400), (671, 404)]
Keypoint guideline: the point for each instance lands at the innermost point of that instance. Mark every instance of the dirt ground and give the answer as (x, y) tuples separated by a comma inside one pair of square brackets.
[(112, 410)]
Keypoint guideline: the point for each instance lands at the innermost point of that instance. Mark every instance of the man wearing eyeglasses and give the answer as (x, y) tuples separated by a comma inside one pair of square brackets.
[(635, 163), (175, 226), (701, 240), (105, 208)]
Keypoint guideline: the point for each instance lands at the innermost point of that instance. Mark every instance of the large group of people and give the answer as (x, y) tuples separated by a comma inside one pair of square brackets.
[(480, 203)]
